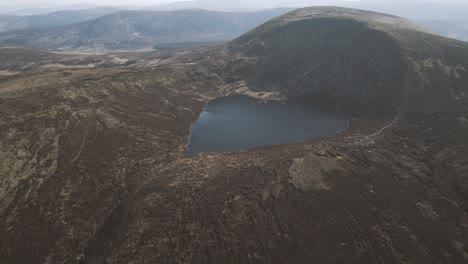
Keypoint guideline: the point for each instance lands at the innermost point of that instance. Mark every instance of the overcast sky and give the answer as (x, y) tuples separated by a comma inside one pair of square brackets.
[(94, 2), (39, 3)]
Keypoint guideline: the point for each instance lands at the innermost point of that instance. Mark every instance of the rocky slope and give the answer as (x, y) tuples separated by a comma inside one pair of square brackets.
[(141, 29), (93, 171)]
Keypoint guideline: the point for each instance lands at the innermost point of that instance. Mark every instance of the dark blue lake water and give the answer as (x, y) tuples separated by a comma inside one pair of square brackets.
[(237, 123)]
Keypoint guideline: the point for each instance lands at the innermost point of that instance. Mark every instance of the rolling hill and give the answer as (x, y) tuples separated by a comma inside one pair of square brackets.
[(31, 9), (54, 19), (141, 29), (93, 168), (447, 19)]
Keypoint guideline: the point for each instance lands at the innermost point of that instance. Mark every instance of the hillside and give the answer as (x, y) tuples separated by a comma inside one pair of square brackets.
[(447, 19), (141, 29), (225, 6), (93, 168), (53, 19), (28, 9)]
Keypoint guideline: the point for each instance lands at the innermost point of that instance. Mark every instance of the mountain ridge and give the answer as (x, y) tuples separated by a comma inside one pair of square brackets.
[(141, 29), (54, 19)]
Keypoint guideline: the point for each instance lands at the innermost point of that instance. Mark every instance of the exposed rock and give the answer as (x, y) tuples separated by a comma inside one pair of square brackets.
[(310, 173), (427, 211)]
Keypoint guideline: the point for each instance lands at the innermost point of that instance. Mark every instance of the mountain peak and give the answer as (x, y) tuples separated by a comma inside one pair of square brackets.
[(356, 14)]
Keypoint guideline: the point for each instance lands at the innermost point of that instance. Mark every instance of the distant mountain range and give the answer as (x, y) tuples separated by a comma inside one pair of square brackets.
[(447, 19), (41, 8), (457, 29), (85, 26), (413, 9), (216, 5), (130, 30), (58, 18)]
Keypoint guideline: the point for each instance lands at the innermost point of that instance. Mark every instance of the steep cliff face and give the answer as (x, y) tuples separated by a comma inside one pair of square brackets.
[(93, 169)]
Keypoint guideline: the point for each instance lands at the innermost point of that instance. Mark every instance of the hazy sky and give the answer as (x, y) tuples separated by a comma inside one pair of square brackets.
[(39, 3), (94, 2)]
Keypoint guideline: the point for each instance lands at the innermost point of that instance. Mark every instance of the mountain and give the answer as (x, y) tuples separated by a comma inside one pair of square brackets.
[(225, 6), (141, 29), (53, 19), (243, 5), (412, 9), (12, 8), (42, 8), (447, 19), (457, 29), (93, 168)]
